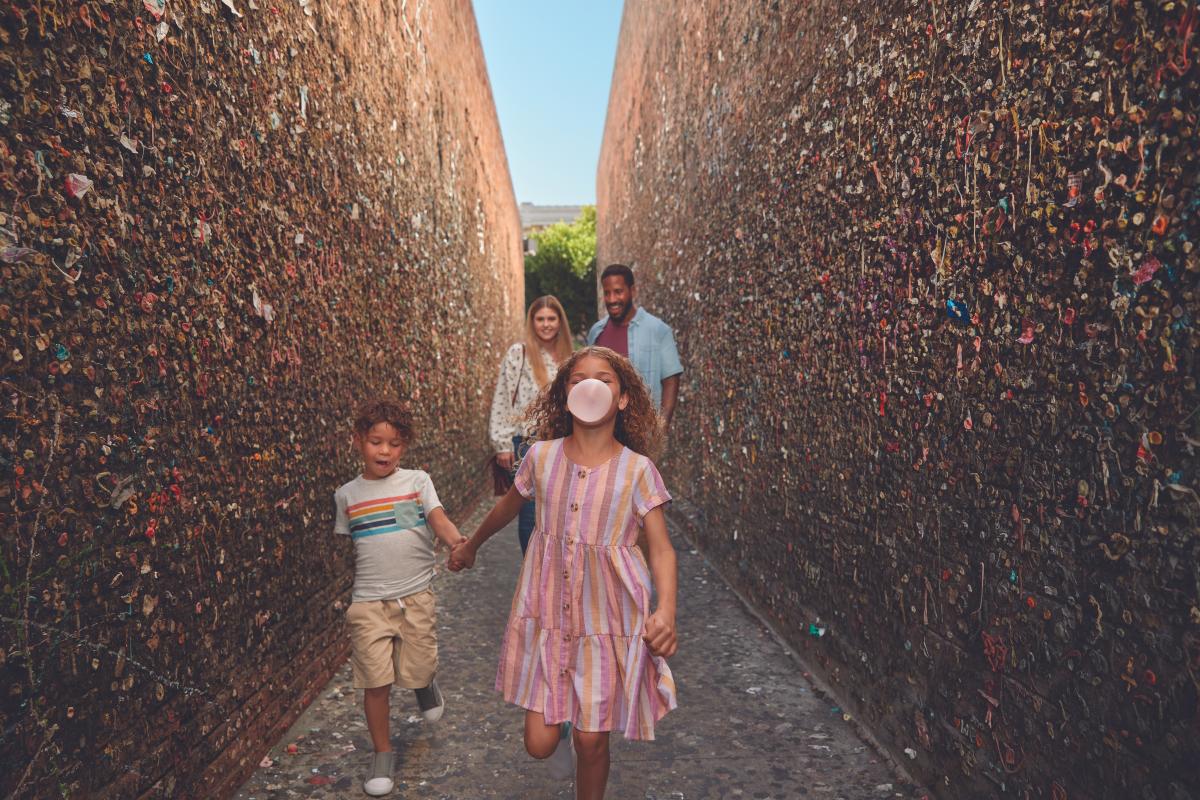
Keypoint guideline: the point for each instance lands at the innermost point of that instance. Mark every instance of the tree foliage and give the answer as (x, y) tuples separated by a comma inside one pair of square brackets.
[(564, 265)]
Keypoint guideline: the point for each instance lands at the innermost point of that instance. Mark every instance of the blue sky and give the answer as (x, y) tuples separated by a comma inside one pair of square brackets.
[(550, 63)]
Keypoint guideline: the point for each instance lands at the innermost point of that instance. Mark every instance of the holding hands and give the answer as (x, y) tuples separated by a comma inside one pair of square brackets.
[(462, 556), (462, 553)]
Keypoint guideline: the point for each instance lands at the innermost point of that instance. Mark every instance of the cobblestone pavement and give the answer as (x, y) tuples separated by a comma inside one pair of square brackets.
[(749, 724)]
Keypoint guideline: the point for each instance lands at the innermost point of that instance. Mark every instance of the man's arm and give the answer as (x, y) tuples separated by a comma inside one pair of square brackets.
[(672, 369), (670, 393)]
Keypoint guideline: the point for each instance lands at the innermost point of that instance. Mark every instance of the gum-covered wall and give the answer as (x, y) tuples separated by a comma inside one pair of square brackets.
[(224, 224), (931, 268)]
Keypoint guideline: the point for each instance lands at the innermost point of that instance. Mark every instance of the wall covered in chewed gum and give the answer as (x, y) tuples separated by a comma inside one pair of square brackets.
[(932, 271), (224, 225)]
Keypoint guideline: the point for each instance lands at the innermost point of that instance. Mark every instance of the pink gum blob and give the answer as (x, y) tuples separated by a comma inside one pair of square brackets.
[(590, 400)]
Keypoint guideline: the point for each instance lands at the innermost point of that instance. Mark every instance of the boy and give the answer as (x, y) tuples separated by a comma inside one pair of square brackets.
[(390, 513)]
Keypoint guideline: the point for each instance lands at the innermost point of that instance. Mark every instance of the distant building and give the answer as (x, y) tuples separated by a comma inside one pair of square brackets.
[(535, 218)]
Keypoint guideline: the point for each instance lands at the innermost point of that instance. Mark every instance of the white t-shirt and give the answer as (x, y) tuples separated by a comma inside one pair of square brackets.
[(393, 543)]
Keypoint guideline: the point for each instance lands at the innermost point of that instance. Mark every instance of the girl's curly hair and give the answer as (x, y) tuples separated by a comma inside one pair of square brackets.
[(637, 426)]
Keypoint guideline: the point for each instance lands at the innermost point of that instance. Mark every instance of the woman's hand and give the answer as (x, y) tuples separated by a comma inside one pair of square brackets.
[(659, 634), (505, 460)]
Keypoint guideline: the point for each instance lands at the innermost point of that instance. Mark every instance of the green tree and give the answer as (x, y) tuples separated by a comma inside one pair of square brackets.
[(564, 265)]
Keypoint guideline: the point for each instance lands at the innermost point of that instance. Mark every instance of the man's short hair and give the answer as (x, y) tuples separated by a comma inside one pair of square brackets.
[(618, 269), (386, 409)]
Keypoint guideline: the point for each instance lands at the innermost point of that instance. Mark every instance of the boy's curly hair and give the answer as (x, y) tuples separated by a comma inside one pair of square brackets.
[(637, 426), (384, 409)]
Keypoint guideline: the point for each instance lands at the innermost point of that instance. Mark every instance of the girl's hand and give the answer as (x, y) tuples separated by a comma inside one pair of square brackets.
[(659, 634), (505, 460)]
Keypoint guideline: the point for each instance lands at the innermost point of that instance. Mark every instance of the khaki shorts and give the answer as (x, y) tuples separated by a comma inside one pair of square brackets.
[(394, 641)]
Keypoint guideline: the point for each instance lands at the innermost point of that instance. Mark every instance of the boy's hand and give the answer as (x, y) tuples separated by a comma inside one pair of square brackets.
[(462, 556), (659, 634), (452, 562)]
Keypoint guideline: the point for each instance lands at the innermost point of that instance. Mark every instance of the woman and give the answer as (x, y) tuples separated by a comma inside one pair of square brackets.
[(527, 368)]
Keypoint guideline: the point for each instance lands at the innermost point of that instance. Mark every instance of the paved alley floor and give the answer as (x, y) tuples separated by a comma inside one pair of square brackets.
[(749, 724)]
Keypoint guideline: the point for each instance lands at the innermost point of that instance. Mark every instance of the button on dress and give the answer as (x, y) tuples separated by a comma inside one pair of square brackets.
[(573, 646)]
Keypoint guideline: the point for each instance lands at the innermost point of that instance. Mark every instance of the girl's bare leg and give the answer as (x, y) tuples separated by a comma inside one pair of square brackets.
[(540, 739), (591, 766)]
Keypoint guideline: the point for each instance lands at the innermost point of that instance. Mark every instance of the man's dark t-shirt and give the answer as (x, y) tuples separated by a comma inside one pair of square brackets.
[(615, 337)]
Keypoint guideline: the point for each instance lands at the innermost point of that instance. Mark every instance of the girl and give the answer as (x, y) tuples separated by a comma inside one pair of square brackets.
[(582, 645), (526, 369)]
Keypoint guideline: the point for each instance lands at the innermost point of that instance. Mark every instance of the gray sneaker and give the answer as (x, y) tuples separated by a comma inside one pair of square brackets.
[(431, 702), (562, 760), (379, 779)]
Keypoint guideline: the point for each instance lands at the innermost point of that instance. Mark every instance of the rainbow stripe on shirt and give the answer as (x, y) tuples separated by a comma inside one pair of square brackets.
[(386, 515)]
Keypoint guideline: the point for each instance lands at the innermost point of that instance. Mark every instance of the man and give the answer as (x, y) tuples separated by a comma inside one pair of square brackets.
[(644, 338)]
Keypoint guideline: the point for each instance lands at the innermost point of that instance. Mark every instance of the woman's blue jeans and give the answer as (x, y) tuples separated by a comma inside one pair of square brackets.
[(527, 518)]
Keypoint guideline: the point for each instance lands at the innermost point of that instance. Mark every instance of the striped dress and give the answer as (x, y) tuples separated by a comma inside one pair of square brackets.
[(573, 646)]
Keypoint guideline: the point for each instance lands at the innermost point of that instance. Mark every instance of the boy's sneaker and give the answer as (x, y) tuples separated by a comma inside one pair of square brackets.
[(379, 779), (431, 702), (562, 760)]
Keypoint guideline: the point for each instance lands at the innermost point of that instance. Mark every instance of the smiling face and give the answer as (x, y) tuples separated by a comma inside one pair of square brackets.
[(599, 369), (381, 449), (545, 325), (618, 298)]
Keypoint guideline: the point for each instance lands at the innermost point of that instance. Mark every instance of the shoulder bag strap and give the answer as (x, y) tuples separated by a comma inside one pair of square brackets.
[(520, 375)]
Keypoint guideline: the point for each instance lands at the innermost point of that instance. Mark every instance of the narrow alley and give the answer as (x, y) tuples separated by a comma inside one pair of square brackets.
[(750, 723), (916, 310)]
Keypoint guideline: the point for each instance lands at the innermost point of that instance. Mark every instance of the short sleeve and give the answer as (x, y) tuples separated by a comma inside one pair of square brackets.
[(524, 480), (341, 523), (668, 353), (649, 491), (428, 495)]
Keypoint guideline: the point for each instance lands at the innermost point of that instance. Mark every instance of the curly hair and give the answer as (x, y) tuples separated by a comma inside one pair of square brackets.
[(637, 426), (391, 411)]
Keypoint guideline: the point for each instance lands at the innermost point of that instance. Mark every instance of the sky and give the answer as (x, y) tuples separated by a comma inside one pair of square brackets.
[(550, 63)]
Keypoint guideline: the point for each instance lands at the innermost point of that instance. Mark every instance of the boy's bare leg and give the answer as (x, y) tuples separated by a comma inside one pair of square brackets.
[(591, 766), (540, 739), (375, 704)]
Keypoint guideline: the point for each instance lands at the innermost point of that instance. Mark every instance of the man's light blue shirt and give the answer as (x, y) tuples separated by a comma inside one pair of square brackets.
[(651, 349)]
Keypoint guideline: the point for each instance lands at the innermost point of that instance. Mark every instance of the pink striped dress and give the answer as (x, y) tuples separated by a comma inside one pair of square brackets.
[(573, 646)]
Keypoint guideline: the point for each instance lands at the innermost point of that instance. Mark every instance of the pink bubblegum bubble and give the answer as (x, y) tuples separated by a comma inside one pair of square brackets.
[(590, 400)]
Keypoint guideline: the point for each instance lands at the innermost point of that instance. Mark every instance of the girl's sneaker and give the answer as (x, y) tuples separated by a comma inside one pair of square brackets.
[(562, 760), (431, 702), (379, 779)]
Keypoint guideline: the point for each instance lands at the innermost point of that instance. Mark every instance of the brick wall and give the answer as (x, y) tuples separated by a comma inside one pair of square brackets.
[(932, 272), (288, 206)]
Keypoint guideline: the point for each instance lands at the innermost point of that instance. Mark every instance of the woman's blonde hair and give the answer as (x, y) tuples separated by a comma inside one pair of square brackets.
[(561, 349), (637, 425)]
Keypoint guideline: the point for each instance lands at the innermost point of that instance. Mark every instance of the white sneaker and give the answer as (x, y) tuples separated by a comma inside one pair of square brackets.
[(379, 779), (562, 760)]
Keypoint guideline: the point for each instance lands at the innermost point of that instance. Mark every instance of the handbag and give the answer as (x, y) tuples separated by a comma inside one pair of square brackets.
[(502, 478)]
